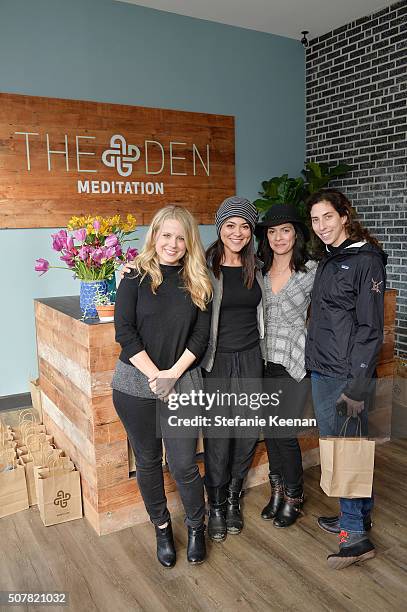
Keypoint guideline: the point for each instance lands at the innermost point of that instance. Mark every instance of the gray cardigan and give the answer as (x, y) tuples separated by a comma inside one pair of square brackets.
[(217, 285)]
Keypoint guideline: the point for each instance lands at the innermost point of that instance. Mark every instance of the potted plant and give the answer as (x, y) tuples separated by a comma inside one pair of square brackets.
[(284, 190), (93, 249), (104, 305)]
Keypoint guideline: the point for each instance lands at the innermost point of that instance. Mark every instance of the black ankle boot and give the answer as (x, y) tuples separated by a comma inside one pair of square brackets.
[(165, 546), (217, 513), (234, 520), (291, 508), (331, 523), (276, 499), (196, 551)]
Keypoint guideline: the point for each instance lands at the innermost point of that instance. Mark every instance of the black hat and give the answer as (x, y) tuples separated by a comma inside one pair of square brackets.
[(279, 214)]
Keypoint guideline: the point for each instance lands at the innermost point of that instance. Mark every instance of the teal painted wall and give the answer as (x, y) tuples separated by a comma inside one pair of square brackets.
[(116, 52)]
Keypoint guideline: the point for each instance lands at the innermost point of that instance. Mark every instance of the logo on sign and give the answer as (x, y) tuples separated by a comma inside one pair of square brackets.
[(121, 155), (62, 499)]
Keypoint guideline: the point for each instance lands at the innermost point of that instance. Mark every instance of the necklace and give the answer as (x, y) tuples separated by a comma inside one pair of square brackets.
[(274, 273)]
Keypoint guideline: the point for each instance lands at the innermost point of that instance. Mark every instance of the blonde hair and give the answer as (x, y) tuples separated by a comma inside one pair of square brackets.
[(194, 270)]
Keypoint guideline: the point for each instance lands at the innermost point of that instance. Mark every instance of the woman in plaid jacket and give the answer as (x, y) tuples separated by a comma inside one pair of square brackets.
[(288, 278)]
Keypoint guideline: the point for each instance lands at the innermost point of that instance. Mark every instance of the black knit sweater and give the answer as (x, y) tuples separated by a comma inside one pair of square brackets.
[(164, 324)]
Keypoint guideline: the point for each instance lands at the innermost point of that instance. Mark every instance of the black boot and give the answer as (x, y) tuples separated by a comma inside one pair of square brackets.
[(165, 546), (290, 510), (276, 499), (353, 548), (217, 513), (234, 520), (196, 551), (331, 523)]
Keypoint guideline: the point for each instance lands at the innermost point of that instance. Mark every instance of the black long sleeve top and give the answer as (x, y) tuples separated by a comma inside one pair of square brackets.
[(164, 324)]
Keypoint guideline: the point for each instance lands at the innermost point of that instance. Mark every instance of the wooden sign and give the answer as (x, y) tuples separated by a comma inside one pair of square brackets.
[(60, 158)]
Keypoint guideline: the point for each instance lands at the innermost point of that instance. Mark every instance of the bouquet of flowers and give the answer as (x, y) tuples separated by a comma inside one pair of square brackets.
[(92, 247)]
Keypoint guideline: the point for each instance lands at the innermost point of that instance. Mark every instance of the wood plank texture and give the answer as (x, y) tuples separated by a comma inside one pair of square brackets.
[(192, 155), (263, 569)]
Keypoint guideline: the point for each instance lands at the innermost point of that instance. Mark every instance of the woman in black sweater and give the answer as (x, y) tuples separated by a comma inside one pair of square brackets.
[(162, 324)]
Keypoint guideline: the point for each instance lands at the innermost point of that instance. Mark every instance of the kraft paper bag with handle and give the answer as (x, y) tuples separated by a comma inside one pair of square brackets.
[(42, 459), (347, 465), (59, 493), (13, 485), (27, 462)]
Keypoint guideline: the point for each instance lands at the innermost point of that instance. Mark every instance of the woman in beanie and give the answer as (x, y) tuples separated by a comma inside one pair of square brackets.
[(288, 277), (233, 360)]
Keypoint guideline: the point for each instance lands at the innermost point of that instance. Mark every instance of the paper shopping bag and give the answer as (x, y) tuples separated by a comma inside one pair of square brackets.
[(13, 487), (27, 462), (59, 495), (347, 466)]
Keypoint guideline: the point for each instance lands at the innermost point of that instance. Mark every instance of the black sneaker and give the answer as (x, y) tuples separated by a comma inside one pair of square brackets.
[(353, 548)]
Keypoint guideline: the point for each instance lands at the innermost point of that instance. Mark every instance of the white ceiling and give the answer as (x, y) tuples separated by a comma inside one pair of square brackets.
[(283, 17)]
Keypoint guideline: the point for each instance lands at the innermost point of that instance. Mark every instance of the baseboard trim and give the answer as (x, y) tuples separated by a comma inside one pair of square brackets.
[(12, 402)]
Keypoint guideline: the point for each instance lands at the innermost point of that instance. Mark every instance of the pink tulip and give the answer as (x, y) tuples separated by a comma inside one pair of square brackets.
[(69, 243), (57, 242), (131, 254), (42, 265), (111, 240), (110, 252), (68, 258), (98, 255), (118, 250), (96, 225), (84, 252), (80, 235)]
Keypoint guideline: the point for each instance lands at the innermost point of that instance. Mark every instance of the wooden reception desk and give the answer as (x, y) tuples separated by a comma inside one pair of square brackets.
[(76, 362)]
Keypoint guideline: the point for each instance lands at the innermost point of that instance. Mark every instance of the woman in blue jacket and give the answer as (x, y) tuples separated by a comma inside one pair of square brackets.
[(344, 338)]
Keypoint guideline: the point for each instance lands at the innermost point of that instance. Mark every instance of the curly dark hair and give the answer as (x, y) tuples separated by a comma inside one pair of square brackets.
[(354, 229), (299, 257)]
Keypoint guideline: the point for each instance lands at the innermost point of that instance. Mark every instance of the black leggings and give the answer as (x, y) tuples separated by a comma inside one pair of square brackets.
[(284, 453), (138, 416), (231, 457)]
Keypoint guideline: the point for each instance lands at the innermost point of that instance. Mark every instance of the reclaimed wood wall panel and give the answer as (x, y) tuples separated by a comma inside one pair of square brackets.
[(60, 158)]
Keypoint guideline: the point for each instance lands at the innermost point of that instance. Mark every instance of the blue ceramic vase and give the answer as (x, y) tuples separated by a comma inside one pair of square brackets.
[(89, 291)]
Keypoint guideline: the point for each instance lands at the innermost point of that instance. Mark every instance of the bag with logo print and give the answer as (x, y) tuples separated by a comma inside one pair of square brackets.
[(59, 492)]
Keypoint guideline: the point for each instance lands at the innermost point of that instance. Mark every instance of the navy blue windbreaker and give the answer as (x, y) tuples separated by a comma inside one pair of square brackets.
[(345, 331)]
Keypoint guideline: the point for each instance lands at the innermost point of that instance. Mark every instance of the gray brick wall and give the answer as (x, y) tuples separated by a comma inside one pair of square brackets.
[(356, 112)]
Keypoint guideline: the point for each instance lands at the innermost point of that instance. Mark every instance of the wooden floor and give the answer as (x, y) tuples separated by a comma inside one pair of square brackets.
[(262, 569)]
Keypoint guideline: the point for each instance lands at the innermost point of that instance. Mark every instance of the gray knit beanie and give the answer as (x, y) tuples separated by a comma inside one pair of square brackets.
[(236, 207)]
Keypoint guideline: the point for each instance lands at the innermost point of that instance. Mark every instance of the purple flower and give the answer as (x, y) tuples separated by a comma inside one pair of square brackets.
[(57, 242), (69, 243), (80, 235), (110, 252), (98, 255), (96, 225), (111, 240), (118, 250), (68, 258), (131, 254), (41, 265), (84, 252)]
